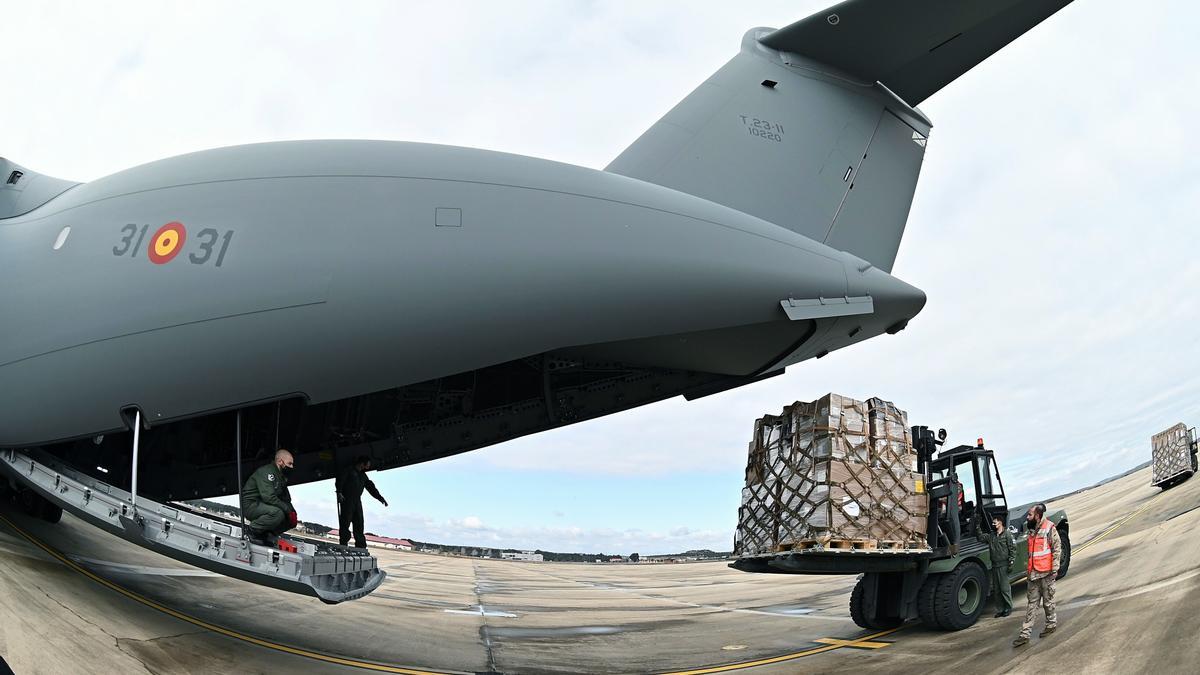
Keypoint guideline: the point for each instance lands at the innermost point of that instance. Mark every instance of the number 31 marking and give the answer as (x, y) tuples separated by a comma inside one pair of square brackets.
[(207, 238)]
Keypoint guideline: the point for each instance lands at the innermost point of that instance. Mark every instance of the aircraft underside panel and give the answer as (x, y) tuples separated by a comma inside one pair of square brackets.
[(196, 458), (331, 573)]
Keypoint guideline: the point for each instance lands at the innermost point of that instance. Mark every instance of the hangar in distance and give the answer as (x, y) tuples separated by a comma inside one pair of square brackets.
[(411, 301)]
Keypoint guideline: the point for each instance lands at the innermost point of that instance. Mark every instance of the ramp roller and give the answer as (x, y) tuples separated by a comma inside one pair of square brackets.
[(328, 572)]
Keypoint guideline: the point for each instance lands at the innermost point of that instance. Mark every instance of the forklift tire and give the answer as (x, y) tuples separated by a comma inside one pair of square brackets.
[(858, 610), (960, 596), (925, 606), (1065, 563)]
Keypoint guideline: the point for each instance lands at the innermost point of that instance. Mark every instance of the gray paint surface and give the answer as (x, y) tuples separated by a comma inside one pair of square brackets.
[(337, 281), (339, 271)]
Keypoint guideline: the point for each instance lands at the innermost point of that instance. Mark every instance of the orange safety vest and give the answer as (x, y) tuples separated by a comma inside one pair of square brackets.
[(1041, 556)]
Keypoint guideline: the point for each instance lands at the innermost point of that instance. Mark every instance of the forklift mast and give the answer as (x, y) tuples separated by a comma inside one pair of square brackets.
[(947, 488)]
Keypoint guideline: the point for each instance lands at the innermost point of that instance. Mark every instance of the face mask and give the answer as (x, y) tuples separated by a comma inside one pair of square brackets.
[(287, 470)]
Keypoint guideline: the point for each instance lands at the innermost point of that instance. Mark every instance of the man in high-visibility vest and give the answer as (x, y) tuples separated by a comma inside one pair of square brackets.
[(1045, 554)]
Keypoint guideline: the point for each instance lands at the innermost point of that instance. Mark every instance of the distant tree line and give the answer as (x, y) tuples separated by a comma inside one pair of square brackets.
[(216, 507), (555, 556)]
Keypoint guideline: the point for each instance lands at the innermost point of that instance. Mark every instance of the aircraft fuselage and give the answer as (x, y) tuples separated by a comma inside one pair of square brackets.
[(329, 269)]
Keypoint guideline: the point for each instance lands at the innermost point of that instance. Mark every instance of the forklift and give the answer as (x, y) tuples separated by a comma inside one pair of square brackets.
[(946, 585)]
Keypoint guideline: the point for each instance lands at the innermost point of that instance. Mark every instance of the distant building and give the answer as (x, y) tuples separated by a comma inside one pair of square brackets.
[(523, 555), (382, 542)]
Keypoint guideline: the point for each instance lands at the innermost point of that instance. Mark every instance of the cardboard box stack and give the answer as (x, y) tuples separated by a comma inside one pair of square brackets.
[(836, 473), (1170, 453)]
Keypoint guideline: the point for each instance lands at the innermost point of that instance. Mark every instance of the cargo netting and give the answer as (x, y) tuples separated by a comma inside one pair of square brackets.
[(836, 473), (1171, 454)]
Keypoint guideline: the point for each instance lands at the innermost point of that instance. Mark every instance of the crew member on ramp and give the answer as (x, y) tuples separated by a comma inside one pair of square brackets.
[(266, 502), (350, 485), (1045, 554)]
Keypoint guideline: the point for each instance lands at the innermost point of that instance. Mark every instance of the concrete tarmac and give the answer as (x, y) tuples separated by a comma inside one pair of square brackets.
[(1129, 604)]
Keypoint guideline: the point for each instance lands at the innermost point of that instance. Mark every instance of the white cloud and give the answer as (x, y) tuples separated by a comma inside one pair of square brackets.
[(475, 531), (564, 538)]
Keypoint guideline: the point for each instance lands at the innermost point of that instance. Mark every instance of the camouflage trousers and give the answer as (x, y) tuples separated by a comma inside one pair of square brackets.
[(1039, 592)]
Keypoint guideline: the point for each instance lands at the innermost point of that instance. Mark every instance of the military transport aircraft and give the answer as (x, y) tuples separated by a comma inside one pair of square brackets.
[(410, 301)]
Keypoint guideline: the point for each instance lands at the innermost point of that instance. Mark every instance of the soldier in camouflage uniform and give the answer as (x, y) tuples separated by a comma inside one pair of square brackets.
[(266, 502), (1045, 546)]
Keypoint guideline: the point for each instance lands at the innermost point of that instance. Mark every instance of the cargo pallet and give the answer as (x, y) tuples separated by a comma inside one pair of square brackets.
[(900, 581), (1173, 456)]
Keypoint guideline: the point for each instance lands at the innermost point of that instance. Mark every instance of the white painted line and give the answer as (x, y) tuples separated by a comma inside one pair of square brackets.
[(482, 611)]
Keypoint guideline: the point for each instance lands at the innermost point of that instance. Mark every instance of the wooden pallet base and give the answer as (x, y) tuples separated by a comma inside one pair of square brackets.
[(846, 545), (893, 545)]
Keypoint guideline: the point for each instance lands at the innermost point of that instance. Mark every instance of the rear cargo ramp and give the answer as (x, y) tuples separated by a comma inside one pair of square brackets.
[(328, 572)]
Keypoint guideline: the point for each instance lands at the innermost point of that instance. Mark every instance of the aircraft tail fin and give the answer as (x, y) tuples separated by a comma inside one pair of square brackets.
[(22, 190), (812, 127)]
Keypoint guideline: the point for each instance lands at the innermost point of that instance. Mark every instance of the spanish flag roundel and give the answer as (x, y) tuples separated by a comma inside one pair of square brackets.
[(166, 243)]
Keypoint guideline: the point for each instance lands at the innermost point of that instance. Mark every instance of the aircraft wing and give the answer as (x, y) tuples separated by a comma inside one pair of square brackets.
[(913, 47)]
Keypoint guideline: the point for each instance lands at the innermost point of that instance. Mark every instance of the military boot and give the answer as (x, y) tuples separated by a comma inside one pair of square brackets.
[(1049, 630), (261, 538), (1021, 641)]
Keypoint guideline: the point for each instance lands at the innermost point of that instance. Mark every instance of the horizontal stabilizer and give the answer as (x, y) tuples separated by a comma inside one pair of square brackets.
[(913, 47)]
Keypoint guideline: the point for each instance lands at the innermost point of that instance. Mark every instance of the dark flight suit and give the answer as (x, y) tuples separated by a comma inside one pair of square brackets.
[(266, 501), (350, 486), (1002, 550)]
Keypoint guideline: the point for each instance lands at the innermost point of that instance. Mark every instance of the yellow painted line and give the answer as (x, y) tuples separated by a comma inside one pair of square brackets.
[(1116, 525), (316, 656), (788, 657), (852, 643)]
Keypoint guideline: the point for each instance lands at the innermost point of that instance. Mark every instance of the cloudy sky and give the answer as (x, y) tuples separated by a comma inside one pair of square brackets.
[(1053, 230)]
